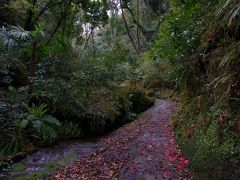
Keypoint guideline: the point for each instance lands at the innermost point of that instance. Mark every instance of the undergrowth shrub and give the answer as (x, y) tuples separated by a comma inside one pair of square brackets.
[(43, 128), (12, 73), (103, 109), (70, 130), (11, 139), (154, 72)]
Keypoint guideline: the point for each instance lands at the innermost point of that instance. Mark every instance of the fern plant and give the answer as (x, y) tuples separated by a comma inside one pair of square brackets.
[(46, 126)]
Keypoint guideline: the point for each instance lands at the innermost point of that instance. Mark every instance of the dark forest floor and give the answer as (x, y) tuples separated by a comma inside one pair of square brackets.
[(143, 149)]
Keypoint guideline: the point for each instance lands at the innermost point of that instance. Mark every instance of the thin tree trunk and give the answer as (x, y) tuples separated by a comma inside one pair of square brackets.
[(93, 43), (137, 25), (145, 32), (86, 42), (60, 21), (29, 22), (127, 29), (32, 67), (46, 7)]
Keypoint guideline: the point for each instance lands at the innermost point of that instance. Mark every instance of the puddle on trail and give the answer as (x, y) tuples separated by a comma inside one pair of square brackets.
[(47, 159)]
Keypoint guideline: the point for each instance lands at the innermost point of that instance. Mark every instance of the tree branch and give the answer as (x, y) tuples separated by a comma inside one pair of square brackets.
[(146, 33), (127, 29), (64, 15), (46, 7)]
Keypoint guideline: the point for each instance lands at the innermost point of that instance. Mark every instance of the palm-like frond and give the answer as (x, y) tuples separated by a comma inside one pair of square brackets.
[(6, 38), (19, 33), (9, 37)]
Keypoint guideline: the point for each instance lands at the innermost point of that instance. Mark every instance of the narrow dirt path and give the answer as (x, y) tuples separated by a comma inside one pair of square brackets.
[(143, 149)]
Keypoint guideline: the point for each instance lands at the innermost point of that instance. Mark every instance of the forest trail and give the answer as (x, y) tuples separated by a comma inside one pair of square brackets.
[(143, 149)]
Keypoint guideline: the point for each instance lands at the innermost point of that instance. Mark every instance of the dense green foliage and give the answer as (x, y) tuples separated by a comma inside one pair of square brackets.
[(197, 52), (62, 75)]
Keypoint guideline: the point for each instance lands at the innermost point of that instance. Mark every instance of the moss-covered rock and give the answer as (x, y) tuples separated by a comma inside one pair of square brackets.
[(140, 101)]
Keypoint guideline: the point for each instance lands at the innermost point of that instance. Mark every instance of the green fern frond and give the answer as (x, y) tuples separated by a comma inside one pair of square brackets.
[(49, 134), (38, 111), (37, 124), (24, 123), (46, 126), (51, 120)]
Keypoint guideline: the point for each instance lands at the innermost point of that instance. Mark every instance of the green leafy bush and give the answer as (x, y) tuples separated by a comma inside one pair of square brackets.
[(11, 139), (166, 62), (70, 130), (155, 72), (13, 73), (103, 109), (13, 146), (45, 126)]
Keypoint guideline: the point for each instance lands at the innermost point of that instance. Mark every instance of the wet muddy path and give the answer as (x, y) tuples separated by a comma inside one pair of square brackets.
[(143, 149), (45, 160)]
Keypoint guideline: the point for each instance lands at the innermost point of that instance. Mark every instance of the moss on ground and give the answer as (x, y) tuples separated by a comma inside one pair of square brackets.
[(48, 168), (19, 167), (53, 165), (33, 176)]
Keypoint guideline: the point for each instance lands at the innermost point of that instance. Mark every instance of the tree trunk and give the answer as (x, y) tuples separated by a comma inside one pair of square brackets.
[(138, 9), (32, 67), (127, 29), (29, 22)]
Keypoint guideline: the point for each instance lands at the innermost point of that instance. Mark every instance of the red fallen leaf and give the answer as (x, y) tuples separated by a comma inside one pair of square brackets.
[(172, 158), (181, 158), (110, 174), (186, 162), (180, 166)]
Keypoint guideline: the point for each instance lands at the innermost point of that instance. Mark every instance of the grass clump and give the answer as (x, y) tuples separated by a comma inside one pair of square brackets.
[(19, 167)]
